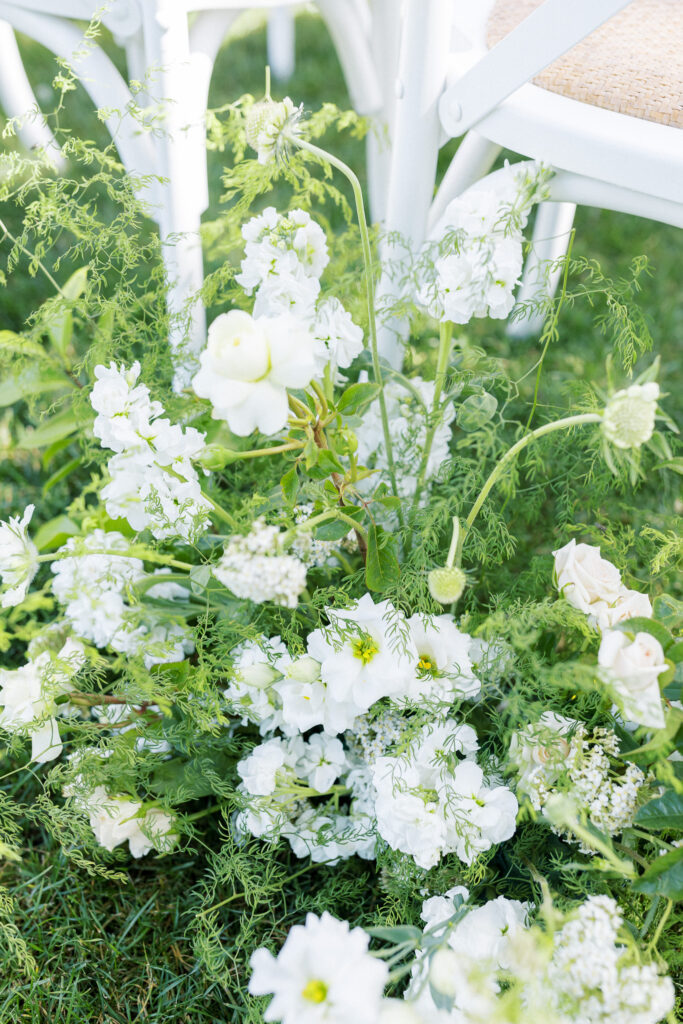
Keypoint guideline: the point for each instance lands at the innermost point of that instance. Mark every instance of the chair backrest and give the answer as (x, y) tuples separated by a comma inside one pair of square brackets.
[(547, 33)]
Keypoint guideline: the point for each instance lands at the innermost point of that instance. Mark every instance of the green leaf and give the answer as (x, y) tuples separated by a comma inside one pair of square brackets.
[(476, 410), (355, 397), (664, 877), (33, 380), (62, 473), (54, 533), (675, 464), (396, 933), (11, 342), (324, 464), (664, 811), (675, 652), (337, 529), (668, 610), (381, 566), (52, 429), (639, 624), (290, 485), (199, 578), (60, 325)]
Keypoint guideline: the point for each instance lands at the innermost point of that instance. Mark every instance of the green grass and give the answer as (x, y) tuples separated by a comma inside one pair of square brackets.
[(110, 952)]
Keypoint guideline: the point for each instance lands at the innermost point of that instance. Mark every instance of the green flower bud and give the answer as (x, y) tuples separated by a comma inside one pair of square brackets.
[(446, 585)]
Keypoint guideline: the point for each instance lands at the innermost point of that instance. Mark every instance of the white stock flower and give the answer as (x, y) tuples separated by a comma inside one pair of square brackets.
[(324, 974), (247, 366), (256, 568), (632, 668), (18, 558), (124, 409), (287, 245), (366, 653), (251, 692), (338, 338), (28, 697), (322, 761), (259, 770), (629, 417)]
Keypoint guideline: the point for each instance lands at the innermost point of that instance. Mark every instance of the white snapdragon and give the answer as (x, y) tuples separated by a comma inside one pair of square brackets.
[(366, 653), (324, 974), (431, 802), (408, 411), (248, 365), (18, 558), (632, 668), (256, 567), (629, 417), (153, 483), (591, 584), (473, 270), (28, 697)]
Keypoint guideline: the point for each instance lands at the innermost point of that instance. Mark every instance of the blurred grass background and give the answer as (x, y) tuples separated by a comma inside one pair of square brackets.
[(110, 952)]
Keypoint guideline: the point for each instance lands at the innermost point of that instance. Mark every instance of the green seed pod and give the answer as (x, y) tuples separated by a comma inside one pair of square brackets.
[(446, 585)]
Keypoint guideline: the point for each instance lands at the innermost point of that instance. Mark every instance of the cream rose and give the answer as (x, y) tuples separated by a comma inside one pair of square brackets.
[(247, 366), (587, 580), (630, 604), (632, 668)]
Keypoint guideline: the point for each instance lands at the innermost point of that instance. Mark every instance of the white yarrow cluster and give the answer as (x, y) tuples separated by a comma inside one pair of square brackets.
[(257, 568), (18, 558), (153, 483)]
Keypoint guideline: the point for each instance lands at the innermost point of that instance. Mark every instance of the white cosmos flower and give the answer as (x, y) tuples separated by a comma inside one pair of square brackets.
[(18, 558), (247, 366), (323, 974), (632, 667), (366, 653)]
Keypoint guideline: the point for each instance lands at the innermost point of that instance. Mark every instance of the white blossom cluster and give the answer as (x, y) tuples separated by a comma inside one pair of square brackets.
[(251, 361), (153, 483), (435, 799), (408, 411), (558, 755), (631, 668), (257, 568), (474, 965), (92, 580), (28, 696), (479, 255)]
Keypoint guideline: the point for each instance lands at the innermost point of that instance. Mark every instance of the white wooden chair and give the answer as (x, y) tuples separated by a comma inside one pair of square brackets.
[(614, 156), (178, 54)]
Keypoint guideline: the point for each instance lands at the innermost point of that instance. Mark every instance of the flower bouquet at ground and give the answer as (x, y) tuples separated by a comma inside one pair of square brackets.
[(384, 646)]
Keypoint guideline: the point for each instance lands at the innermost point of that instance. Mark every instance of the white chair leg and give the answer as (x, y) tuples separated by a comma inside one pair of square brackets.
[(18, 101), (280, 43), (473, 160), (550, 240)]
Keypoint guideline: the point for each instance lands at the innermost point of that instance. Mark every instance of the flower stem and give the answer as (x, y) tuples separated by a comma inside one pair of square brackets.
[(511, 453), (221, 513), (369, 289), (445, 343)]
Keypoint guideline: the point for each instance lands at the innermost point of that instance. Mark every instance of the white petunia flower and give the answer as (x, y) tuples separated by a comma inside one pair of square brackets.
[(247, 366), (18, 558), (443, 670), (324, 974)]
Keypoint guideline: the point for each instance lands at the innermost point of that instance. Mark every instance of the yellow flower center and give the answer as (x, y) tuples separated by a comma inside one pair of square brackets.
[(365, 649), (315, 991), (425, 664)]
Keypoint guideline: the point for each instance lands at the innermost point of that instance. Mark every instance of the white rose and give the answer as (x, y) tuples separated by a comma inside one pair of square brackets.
[(630, 604), (633, 668), (238, 347), (585, 578)]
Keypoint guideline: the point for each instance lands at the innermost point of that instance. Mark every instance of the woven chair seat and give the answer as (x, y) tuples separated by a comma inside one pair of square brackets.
[(632, 64)]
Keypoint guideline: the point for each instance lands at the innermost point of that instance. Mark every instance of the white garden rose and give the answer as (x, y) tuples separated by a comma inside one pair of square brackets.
[(247, 366), (633, 667), (586, 579), (630, 604)]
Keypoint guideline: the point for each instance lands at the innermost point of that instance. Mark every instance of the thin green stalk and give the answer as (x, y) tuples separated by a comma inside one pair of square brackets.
[(652, 944), (445, 344), (369, 289), (511, 453), (221, 513)]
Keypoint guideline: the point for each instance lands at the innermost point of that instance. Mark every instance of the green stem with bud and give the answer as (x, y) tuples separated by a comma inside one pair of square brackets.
[(511, 453), (369, 288)]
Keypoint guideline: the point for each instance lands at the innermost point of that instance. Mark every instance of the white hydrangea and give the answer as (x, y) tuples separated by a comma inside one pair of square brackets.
[(365, 653), (153, 483), (408, 412), (18, 558), (473, 268), (324, 974), (557, 755), (28, 697), (256, 568), (431, 802)]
